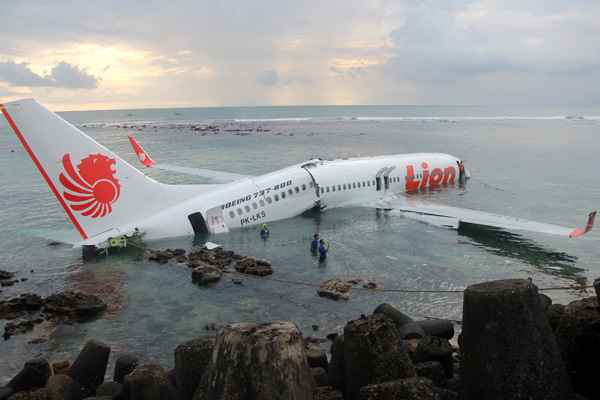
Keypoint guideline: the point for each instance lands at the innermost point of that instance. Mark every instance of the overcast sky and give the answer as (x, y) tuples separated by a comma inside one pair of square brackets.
[(130, 54)]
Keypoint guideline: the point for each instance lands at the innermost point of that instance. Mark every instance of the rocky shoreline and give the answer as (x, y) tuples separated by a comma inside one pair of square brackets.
[(515, 344)]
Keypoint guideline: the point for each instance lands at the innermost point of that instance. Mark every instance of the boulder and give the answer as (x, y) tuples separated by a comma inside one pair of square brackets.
[(393, 313), (15, 328), (124, 365), (508, 348), (19, 306), (191, 360), (60, 367), (34, 375), (336, 366), (253, 266), (5, 275), (545, 301), (39, 394), (437, 327), (5, 392), (373, 353), (205, 274), (577, 330), (412, 330), (417, 388), (89, 367), (316, 357), (258, 362), (327, 393), (433, 348), (335, 289), (320, 376), (432, 370), (57, 386), (74, 305), (111, 390), (147, 382)]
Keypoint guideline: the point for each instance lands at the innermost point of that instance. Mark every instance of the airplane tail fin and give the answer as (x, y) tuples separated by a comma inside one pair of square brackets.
[(141, 154), (97, 189), (588, 227)]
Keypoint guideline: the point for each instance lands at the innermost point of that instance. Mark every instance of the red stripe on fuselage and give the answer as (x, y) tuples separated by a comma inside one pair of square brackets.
[(42, 171)]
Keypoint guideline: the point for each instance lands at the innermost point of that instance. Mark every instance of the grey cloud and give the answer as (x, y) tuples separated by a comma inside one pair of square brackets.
[(269, 77), (62, 75)]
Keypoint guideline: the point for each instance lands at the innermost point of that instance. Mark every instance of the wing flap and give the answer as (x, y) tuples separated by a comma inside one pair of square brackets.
[(424, 210)]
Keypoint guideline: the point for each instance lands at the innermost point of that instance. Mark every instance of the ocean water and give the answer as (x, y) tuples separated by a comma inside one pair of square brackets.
[(536, 163)]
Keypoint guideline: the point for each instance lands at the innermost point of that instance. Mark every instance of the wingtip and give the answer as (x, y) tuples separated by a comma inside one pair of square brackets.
[(578, 232)]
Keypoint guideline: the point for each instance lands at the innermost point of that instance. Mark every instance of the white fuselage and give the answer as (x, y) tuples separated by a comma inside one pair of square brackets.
[(293, 190)]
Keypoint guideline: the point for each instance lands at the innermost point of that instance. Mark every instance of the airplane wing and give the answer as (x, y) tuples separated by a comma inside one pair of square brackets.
[(215, 176), (448, 216)]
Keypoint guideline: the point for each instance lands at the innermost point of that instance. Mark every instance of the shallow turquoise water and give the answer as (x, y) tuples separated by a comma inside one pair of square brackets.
[(539, 168)]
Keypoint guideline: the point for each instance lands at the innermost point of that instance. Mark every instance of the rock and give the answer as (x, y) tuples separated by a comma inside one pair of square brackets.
[(19, 306), (406, 389), (39, 394), (5, 392), (89, 367), (412, 330), (508, 349), (8, 283), (191, 360), (327, 393), (446, 394), (336, 366), (335, 289), (432, 370), (181, 259), (433, 348), (258, 362), (320, 376), (74, 305), (60, 367), (124, 365), (437, 327), (57, 386), (316, 357), (178, 252), (373, 353), (147, 382), (253, 266), (577, 330), (394, 314), (4, 275), (205, 274), (34, 375), (111, 390), (597, 289), (15, 328), (545, 301)]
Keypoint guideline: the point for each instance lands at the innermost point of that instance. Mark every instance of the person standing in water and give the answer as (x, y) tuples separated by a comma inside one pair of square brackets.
[(314, 245), (323, 249), (264, 232)]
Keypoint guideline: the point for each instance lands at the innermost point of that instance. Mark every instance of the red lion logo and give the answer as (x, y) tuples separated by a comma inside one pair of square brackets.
[(93, 188)]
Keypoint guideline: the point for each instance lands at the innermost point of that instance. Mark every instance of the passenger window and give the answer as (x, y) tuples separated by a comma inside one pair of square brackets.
[(276, 197), (312, 184), (327, 189), (239, 211), (297, 189), (333, 188), (231, 214), (368, 183), (261, 202), (322, 190), (364, 184), (290, 192), (303, 186), (353, 185), (254, 205), (247, 208), (340, 188), (282, 195), (269, 201), (344, 186)]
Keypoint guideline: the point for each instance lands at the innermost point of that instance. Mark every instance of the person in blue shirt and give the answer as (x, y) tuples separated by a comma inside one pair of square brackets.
[(323, 249), (264, 231), (314, 245)]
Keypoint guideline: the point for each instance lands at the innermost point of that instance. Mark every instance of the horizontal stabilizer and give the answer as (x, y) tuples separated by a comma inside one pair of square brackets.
[(215, 176)]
